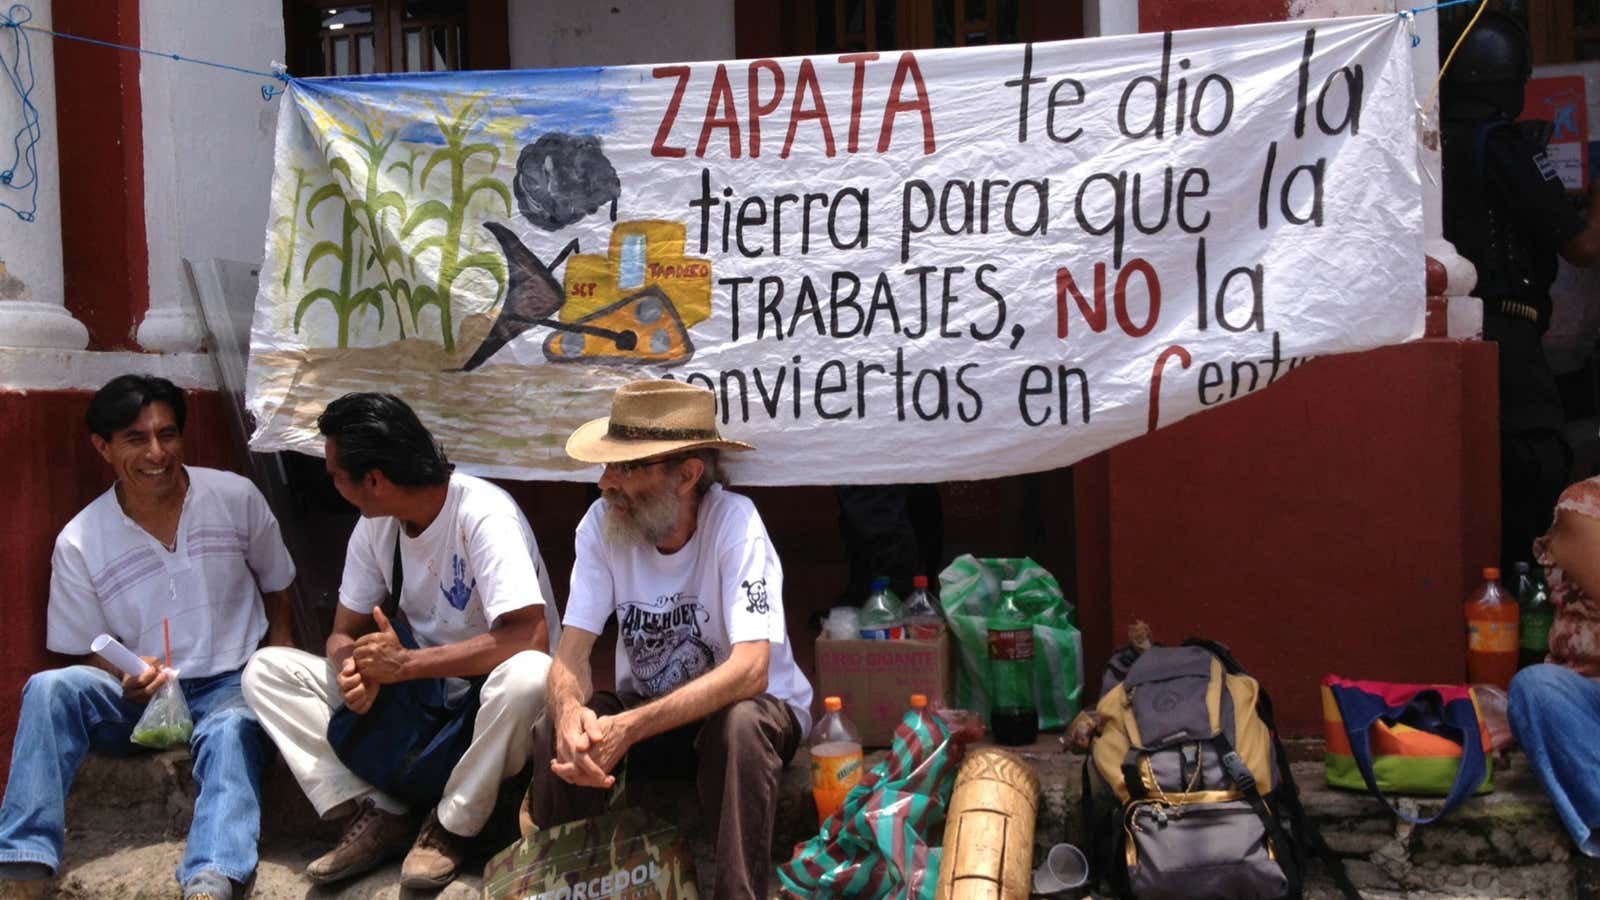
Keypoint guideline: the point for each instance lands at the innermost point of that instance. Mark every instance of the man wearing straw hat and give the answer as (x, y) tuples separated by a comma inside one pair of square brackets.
[(167, 541), (706, 680)]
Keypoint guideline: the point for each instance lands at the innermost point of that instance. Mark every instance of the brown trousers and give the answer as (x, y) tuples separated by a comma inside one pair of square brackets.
[(737, 755)]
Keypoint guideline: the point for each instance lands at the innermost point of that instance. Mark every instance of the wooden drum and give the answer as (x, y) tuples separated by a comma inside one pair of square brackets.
[(988, 835)]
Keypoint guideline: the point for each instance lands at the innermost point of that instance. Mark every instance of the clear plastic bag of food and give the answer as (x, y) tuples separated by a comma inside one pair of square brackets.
[(1492, 705), (166, 722)]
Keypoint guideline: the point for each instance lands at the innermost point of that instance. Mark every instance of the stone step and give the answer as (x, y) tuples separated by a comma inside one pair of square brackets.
[(1507, 844)]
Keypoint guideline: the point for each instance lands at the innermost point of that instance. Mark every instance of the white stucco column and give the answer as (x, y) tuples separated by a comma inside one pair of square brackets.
[(207, 149), (1103, 18), (32, 310)]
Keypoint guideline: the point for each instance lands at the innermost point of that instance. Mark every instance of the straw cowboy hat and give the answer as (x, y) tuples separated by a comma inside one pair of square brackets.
[(648, 419)]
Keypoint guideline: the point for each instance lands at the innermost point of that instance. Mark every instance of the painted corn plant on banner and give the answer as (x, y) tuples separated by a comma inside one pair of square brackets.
[(889, 267)]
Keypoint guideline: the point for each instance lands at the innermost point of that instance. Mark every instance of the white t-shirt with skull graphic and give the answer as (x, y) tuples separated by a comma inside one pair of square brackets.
[(679, 614)]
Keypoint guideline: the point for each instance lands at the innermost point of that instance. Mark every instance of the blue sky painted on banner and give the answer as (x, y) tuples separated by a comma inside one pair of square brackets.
[(575, 101)]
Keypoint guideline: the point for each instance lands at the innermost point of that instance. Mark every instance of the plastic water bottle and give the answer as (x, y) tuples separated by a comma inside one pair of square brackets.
[(1492, 645), (1013, 717), (923, 620), (882, 618), (836, 758)]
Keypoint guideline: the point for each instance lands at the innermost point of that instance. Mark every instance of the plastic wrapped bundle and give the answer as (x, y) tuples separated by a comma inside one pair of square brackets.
[(877, 844)]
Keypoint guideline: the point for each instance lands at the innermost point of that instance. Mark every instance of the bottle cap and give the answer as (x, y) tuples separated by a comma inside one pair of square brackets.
[(833, 704), (1521, 568), (1491, 573), (919, 701), (920, 581), (879, 583), (1010, 584)]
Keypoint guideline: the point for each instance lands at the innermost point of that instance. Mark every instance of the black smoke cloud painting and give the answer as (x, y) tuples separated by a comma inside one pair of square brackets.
[(561, 178)]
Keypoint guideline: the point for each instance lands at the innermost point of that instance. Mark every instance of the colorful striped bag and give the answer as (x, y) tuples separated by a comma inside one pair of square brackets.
[(877, 844), (1388, 738)]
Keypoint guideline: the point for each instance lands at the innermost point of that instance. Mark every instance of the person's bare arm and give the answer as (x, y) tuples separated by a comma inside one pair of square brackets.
[(741, 676), (280, 618), (567, 691), (1575, 547), (569, 685), (381, 658)]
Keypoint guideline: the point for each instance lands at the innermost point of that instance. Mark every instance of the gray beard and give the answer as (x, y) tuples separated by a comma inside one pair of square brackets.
[(647, 522)]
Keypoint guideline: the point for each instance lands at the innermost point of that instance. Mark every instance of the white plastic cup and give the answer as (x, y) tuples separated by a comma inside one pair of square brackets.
[(1064, 869), (116, 654), (843, 623)]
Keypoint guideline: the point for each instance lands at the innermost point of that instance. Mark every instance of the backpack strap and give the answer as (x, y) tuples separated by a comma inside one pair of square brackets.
[(397, 574), (1132, 778), (1287, 792), (1242, 778)]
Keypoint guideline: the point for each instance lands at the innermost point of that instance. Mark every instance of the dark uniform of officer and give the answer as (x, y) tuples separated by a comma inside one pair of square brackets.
[(1505, 210)]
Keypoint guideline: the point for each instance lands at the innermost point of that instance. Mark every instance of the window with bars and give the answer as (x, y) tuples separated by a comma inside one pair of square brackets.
[(784, 27), (330, 38)]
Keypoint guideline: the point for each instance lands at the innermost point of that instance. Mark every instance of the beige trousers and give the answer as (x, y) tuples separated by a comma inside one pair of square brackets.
[(294, 694)]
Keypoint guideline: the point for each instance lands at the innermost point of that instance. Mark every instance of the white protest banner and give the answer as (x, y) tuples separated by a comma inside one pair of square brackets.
[(902, 266)]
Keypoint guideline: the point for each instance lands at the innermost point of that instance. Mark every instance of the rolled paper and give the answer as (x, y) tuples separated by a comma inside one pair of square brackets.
[(116, 654), (988, 836)]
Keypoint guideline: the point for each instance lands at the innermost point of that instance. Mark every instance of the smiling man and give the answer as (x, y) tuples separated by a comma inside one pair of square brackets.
[(472, 596), (194, 546), (706, 679)]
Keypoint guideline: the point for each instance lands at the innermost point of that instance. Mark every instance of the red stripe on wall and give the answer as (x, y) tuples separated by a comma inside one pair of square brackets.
[(1173, 15), (105, 256)]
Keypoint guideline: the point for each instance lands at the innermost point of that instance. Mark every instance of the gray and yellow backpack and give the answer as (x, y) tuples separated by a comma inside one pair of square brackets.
[(1187, 791)]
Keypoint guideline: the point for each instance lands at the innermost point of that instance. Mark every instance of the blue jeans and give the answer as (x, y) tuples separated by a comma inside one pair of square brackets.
[(1555, 715), (68, 712)]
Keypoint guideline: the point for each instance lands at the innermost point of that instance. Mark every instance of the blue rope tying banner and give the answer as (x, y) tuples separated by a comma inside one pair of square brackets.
[(18, 67), (1447, 3), (16, 60), (1411, 14)]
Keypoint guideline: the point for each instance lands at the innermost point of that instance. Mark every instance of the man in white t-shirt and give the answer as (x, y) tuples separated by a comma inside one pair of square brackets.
[(706, 678), (473, 592), (168, 543)]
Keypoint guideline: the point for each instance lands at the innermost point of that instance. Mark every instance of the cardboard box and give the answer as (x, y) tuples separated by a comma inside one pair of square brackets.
[(876, 679)]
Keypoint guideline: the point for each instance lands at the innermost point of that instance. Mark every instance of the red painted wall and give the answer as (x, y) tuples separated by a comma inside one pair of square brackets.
[(51, 472), (1331, 524), (104, 252), (1172, 15)]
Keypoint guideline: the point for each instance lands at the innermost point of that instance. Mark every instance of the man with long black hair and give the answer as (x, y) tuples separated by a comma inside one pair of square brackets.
[(473, 597)]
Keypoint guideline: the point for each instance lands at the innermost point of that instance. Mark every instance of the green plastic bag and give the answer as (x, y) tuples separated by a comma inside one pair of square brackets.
[(969, 590)]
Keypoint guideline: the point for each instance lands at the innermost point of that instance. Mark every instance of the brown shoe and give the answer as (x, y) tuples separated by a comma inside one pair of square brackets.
[(435, 858), (26, 889), (372, 838)]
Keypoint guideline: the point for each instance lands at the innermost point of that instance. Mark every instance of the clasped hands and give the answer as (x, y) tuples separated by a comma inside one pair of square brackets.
[(377, 659), (588, 747)]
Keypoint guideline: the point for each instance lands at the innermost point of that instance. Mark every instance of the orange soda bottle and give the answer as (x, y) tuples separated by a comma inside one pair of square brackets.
[(836, 758), (1492, 644)]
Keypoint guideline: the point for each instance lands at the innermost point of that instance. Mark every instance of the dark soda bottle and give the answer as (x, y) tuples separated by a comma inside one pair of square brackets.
[(1013, 717), (1536, 615)]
